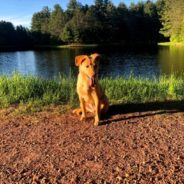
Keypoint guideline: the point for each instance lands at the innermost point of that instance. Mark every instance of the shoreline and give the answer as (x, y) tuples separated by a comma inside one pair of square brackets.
[(167, 44), (73, 46)]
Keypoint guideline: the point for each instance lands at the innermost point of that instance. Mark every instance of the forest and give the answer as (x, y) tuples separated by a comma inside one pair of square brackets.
[(146, 22)]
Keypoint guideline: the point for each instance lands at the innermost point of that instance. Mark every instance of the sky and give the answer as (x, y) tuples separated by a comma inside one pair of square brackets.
[(20, 12)]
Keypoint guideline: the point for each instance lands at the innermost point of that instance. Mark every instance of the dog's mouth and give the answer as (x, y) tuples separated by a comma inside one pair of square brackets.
[(92, 82)]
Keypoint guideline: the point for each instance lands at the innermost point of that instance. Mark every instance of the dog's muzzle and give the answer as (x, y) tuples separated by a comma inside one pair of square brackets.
[(92, 81)]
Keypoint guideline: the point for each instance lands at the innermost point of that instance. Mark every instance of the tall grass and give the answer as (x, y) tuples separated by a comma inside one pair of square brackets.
[(137, 90), (19, 89), (29, 89)]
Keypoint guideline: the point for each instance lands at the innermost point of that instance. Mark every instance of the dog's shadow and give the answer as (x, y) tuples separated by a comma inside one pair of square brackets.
[(141, 110)]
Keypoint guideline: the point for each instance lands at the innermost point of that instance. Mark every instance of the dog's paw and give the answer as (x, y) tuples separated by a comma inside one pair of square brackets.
[(96, 123), (77, 111), (83, 118)]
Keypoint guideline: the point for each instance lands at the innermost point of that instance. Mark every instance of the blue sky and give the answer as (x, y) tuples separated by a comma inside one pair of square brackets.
[(19, 12)]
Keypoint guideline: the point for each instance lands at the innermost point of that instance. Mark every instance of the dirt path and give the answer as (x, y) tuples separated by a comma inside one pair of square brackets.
[(131, 147)]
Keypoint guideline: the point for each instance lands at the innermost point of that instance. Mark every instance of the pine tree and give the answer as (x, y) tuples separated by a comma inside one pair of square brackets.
[(40, 21), (172, 19), (57, 21)]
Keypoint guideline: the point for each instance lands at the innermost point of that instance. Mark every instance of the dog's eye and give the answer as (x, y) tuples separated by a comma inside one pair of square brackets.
[(87, 66)]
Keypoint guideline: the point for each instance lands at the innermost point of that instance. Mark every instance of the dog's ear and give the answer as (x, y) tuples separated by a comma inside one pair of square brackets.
[(79, 59), (95, 57)]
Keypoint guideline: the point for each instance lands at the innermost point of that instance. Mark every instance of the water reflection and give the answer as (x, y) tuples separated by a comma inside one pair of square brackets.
[(117, 61), (6, 62), (171, 60), (25, 62)]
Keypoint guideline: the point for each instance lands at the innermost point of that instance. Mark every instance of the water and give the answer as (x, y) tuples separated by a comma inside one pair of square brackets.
[(150, 62)]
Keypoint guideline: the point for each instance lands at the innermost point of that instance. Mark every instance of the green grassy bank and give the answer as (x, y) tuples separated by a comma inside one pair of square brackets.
[(179, 44), (66, 46), (35, 91)]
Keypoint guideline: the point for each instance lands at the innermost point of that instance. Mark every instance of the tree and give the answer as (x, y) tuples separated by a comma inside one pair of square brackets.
[(100, 10), (40, 21), (74, 28), (22, 36), (172, 18), (111, 20), (91, 26), (57, 21), (73, 5), (7, 33), (99, 3), (150, 9), (102, 22), (122, 18), (67, 34)]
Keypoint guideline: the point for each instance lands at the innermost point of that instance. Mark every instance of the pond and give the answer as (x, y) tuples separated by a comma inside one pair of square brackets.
[(49, 63)]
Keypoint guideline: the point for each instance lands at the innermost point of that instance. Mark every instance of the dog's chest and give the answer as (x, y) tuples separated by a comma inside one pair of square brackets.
[(86, 93)]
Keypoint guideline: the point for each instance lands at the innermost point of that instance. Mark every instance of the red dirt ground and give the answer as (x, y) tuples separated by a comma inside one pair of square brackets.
[(130, 147)]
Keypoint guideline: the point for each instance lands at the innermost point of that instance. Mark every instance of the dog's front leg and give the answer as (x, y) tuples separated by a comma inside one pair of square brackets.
[(83, 108), (97, 109)]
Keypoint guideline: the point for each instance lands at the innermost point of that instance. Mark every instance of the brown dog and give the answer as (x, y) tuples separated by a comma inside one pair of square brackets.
[(91, 97)]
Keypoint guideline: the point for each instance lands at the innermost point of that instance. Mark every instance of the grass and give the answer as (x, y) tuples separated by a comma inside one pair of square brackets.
[(171, 44), (66, 46), (32, 93)]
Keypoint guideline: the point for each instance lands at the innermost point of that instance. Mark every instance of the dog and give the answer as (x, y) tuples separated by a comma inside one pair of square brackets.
[(91, 96)]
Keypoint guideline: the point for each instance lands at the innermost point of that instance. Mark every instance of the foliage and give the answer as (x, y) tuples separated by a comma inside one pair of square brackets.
[(7, 33), (102, 22), (172, 18), (40, 21), (57, 21), (10, 35)]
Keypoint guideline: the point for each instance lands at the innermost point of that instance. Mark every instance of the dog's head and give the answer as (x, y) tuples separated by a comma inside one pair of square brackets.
[(89, 66)]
